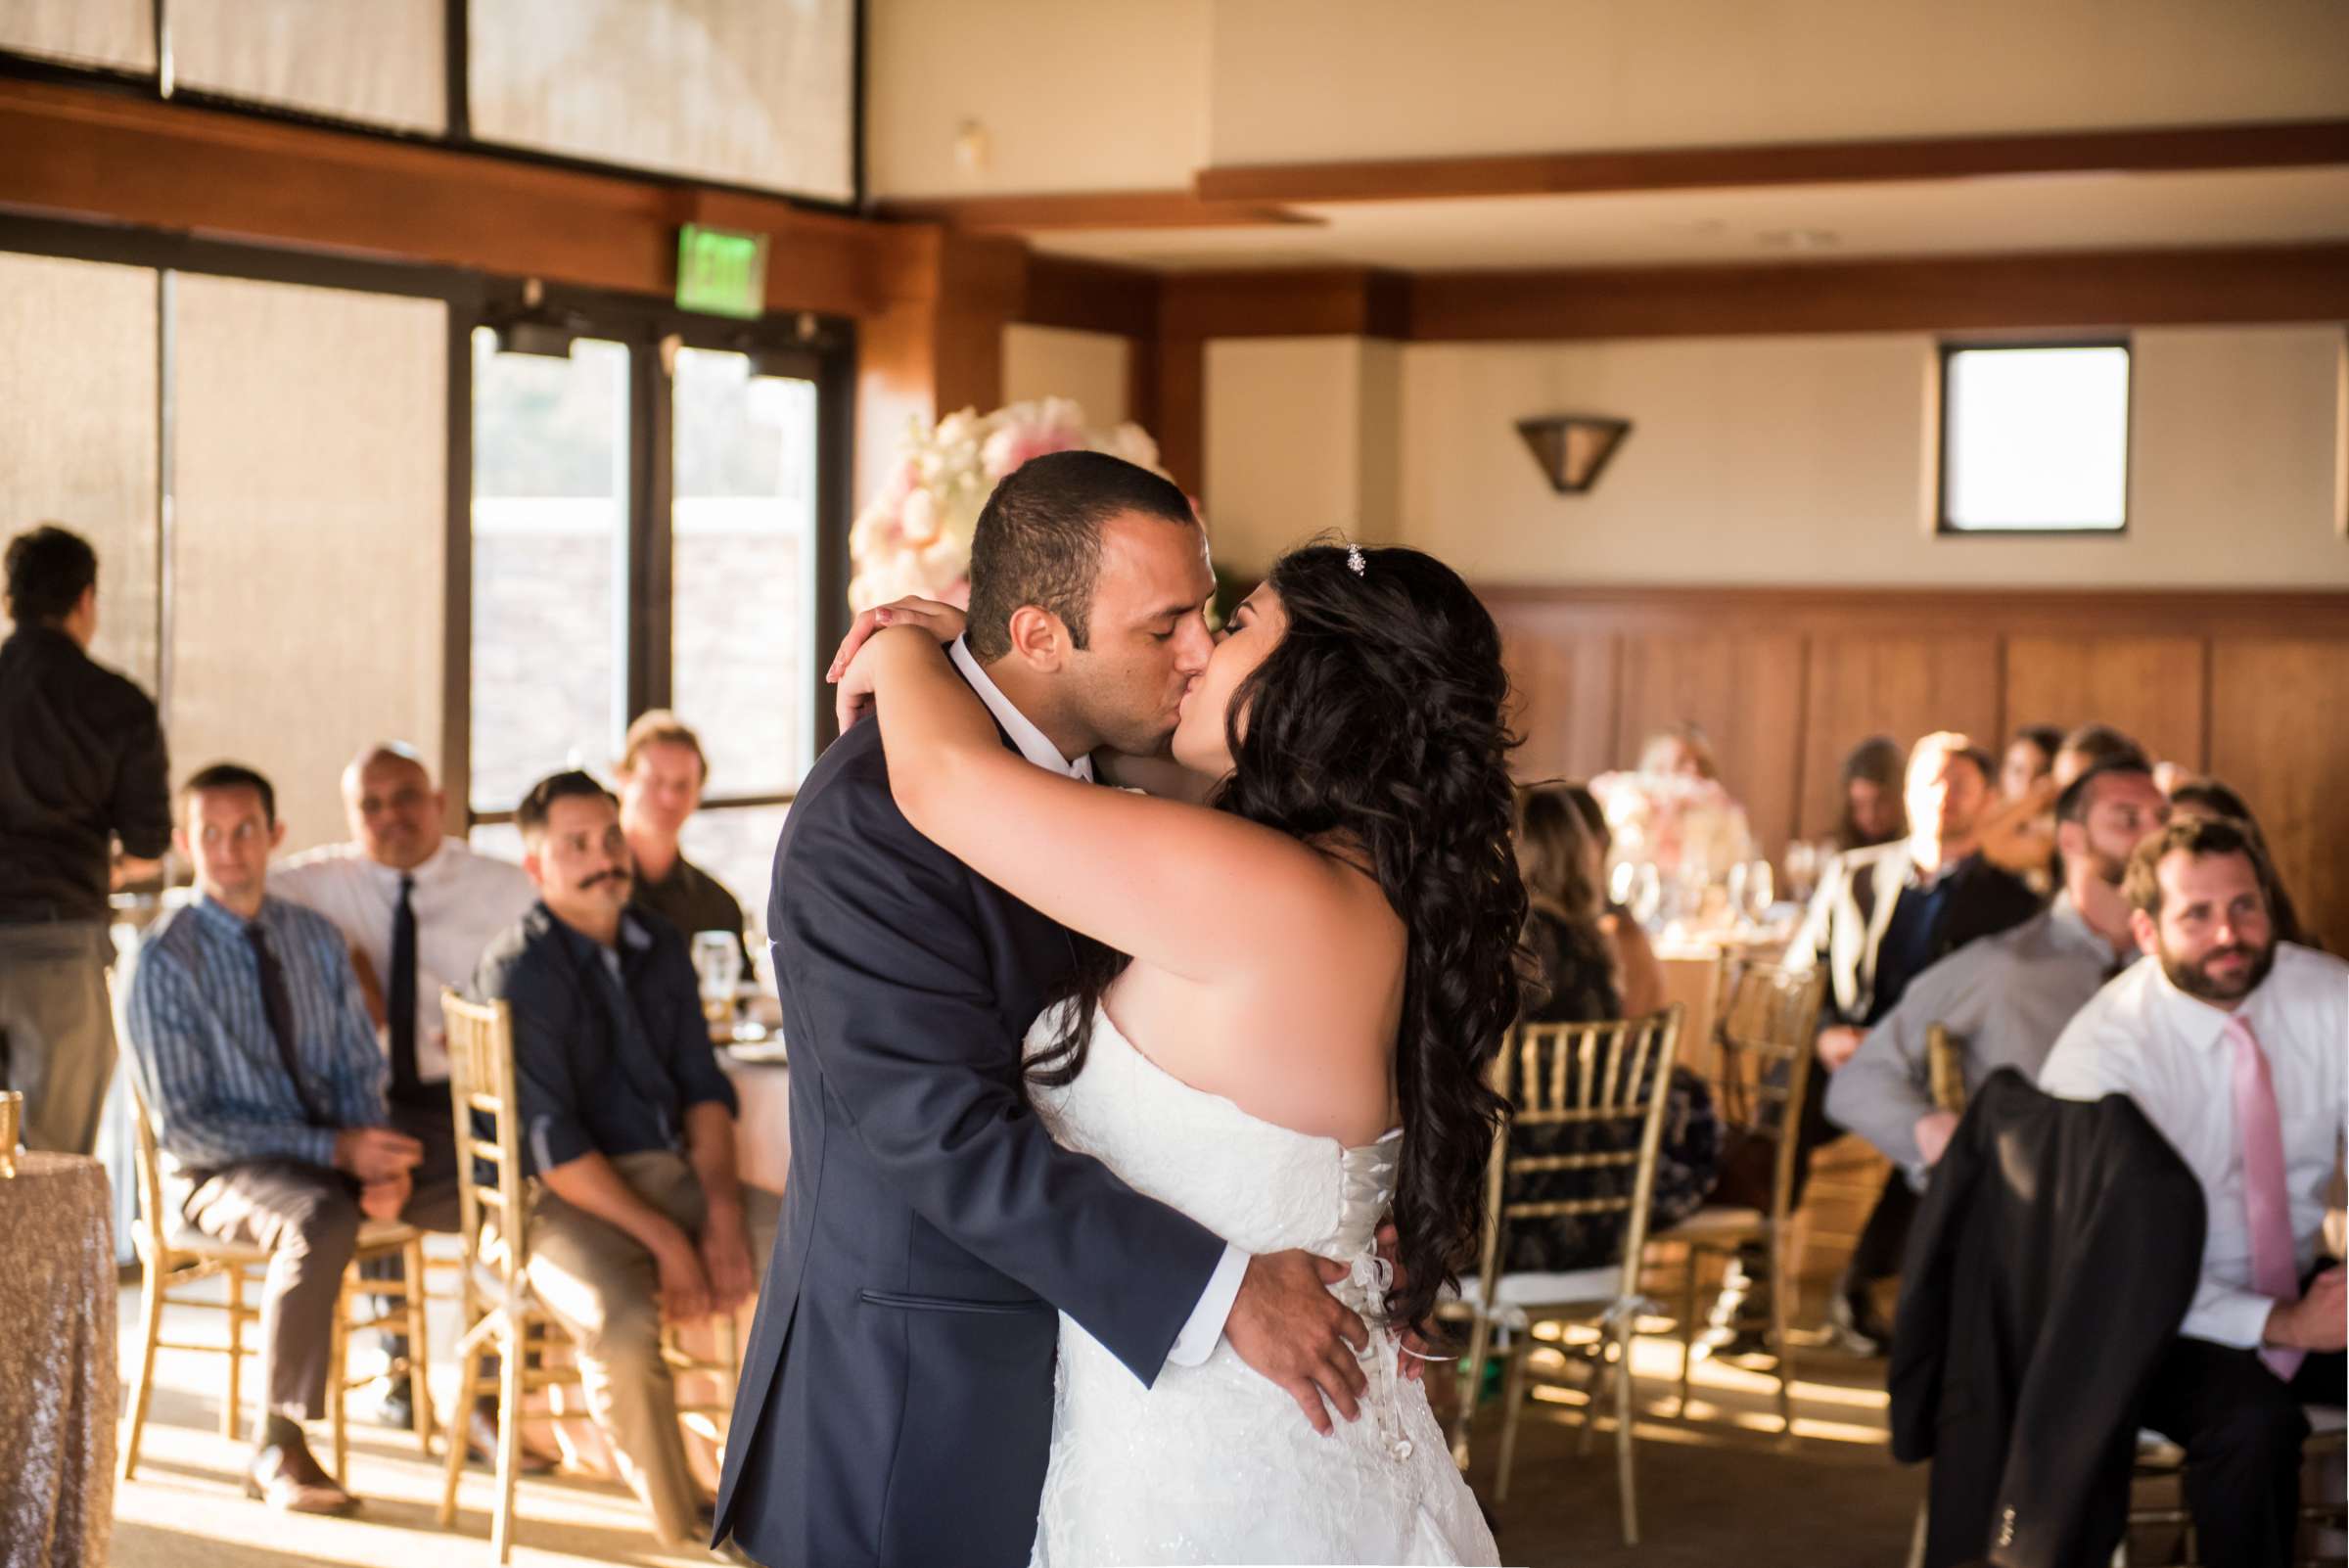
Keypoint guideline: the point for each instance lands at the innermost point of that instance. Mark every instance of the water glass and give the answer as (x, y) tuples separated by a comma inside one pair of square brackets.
[(717, 960)]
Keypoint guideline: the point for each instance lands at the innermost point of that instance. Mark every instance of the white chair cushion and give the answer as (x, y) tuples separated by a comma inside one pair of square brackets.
[(1581, 1287)]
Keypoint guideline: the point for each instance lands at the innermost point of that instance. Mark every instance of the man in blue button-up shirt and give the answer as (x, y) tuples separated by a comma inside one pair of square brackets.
[(260, 1065), (627, 1128)]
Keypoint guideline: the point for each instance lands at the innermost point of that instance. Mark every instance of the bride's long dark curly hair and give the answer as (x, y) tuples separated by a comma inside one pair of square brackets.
[(1375, 727)]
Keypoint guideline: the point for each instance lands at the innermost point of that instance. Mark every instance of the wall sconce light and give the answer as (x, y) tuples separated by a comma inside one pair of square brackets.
[(1573, 449)]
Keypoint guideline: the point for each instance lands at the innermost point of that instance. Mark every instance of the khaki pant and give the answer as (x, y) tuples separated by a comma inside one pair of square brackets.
[(309, 1218), (601, 1286), (57, 1028)]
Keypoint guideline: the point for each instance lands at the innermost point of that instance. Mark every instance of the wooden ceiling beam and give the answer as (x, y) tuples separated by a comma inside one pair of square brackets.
[(1090, 210), (2281, 143), (1940, 294), (87, 153)]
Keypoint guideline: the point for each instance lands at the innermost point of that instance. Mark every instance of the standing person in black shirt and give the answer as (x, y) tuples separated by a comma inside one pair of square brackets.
[(81, 768), (661, 771)]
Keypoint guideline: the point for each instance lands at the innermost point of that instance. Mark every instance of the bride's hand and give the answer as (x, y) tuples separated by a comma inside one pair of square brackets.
[(944, 621), (855, 699)]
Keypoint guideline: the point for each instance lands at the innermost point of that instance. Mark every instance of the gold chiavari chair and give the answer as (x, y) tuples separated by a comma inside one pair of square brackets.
[(1945, 1069), (501, 1312), (1613, 1079), (171, 1260), (1765, 1022)]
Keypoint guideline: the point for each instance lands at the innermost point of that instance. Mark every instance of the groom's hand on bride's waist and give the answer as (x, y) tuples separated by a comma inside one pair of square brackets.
[(1287, 1325)]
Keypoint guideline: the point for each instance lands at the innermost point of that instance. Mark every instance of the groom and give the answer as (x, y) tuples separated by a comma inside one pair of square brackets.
[(896, 1399)]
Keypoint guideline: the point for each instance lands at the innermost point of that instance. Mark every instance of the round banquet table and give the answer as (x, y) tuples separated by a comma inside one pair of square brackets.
[(58, 1382)]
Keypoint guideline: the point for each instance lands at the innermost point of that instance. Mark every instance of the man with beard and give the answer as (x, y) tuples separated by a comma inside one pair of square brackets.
[(2236, 1047), (2004, 999), (627, 1125)]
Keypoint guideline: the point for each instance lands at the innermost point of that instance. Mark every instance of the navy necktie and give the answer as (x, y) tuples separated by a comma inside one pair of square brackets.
[(278, 1004), (400, 995)]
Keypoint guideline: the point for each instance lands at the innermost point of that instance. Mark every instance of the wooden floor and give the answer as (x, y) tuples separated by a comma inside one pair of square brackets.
[(1719, 1488)]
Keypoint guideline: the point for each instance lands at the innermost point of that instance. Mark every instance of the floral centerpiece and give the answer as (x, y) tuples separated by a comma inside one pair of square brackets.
[(915, 537), (1687, 827)]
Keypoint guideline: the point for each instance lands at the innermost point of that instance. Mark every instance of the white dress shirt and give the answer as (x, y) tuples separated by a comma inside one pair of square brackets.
[(2168, 1051), (1197, 1341), (462, 901)]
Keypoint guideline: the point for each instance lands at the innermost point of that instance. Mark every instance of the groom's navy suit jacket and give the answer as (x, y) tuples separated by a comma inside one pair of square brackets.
[(896, 1401)]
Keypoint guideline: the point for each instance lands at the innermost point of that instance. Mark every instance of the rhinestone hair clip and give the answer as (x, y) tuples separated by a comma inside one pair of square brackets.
[(1354, 560)]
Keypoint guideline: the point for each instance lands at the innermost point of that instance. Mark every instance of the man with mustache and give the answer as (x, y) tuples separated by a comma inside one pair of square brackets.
[(2236, 1047), (627, 1123)]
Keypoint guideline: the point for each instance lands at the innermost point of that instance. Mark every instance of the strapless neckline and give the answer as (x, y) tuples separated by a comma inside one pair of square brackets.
[(1103, 1024)]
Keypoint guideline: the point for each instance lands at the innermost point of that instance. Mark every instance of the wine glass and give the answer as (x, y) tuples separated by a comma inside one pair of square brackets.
[(1751, 892), (1647, 892), (717, 961)]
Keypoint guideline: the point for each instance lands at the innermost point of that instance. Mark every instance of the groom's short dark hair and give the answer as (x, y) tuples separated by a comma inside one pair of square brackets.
[(1039, 539)]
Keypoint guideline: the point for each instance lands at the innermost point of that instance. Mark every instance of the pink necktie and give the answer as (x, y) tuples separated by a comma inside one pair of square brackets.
[(2275, 1268)]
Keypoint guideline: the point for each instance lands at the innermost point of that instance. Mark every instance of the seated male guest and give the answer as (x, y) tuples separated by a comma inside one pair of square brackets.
[(418, 909), (627, 1123), (2004, 999), (661, 771), (1881, 917), (2232, 1043), (260, 1066)]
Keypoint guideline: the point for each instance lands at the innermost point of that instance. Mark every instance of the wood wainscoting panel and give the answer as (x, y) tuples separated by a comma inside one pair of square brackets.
[(1744, 690), (2151, 687), (2277, 736), (1562, 695), (1904, 687)]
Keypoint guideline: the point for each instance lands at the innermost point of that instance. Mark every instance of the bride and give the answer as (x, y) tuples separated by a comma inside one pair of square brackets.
[(1282, 1027)]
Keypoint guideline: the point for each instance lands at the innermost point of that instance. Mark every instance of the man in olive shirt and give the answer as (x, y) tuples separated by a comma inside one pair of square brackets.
[(661, 771), (81, 766)]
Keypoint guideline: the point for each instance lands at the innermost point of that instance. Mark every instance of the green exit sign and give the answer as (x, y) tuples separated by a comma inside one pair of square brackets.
[(721, 272)]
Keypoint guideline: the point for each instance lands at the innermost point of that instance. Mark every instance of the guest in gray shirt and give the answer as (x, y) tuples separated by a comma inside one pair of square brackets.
[(2005, 999)]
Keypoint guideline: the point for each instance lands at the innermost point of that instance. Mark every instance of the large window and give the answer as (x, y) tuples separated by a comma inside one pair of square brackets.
[(550, 563), (646, 501), (755, 93), (2034, 439)]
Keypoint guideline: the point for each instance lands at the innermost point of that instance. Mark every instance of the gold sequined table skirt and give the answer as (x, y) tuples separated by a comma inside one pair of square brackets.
[(59, 1392)]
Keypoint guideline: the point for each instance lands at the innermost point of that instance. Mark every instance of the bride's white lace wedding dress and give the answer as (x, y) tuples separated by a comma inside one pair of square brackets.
[(1215, 1463)]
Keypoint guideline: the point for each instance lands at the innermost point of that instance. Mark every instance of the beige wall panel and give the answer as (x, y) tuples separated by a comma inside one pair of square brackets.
[(1072, 95), (1090, 367), (1284, 438), (77, 431), (310, 534), (1809, 460)]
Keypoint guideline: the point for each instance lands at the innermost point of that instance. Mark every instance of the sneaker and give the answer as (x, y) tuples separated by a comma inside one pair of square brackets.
[(1853, 1324)]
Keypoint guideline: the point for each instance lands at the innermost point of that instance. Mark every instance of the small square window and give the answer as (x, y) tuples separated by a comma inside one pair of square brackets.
[(2034, 439)]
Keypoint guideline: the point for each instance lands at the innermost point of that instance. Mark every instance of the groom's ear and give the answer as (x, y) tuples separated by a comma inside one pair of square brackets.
[(1039, 639)]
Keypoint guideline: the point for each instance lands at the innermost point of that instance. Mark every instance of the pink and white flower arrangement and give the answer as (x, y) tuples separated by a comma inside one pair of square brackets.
[(915, 537)]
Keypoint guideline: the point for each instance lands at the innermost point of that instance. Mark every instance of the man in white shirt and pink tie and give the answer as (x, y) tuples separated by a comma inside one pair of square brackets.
[(2236, 1046)]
